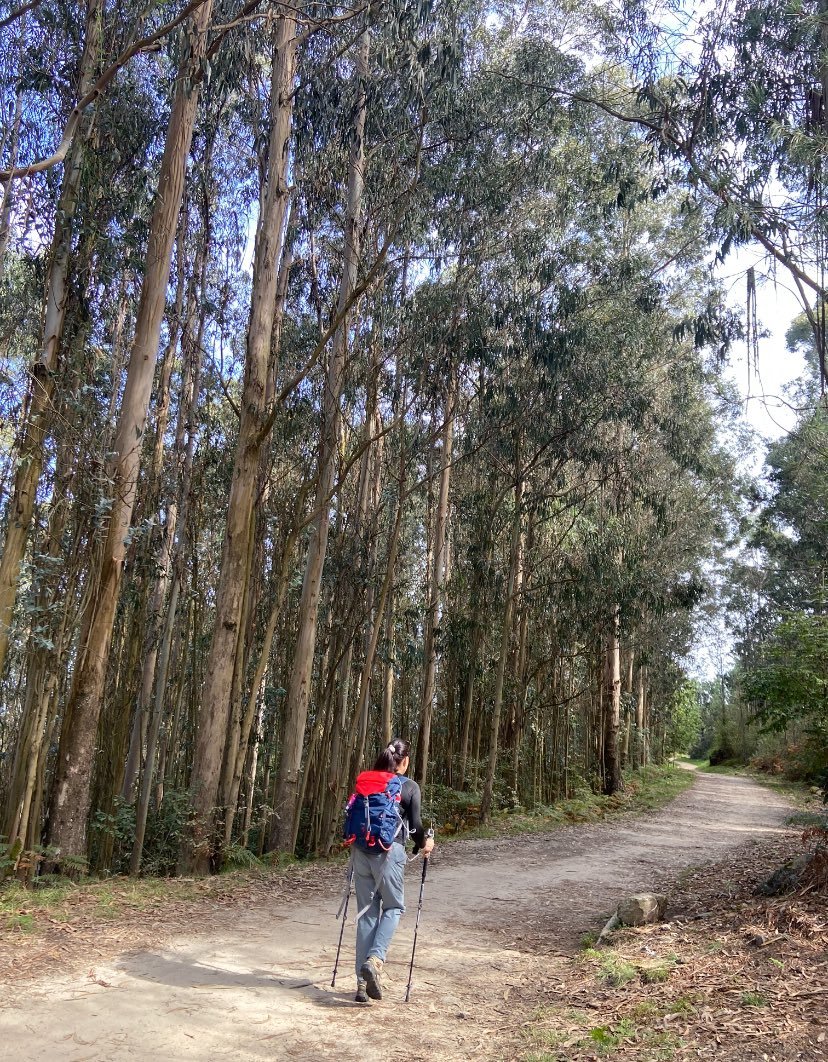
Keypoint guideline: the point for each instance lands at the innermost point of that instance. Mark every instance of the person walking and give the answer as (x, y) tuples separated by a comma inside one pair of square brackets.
[(379, 864)]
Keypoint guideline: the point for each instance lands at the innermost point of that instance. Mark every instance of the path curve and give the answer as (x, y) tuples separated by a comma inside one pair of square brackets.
[(496, 916)]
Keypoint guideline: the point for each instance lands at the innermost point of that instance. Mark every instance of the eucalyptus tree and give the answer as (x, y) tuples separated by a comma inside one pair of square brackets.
[(227, 628), (776, 599), (402, 62), (97, 70), (298, 690), (63, 414), (44, 370), (734, 97), (67, 826), (444, 454)]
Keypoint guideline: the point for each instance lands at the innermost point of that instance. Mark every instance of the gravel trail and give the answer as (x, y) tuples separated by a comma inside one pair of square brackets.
[(498, 916)]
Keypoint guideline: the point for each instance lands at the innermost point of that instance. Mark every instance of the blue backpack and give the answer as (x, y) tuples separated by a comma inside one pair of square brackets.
[(372, 814)]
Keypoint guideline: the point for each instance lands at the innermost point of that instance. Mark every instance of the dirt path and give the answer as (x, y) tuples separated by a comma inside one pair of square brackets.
[(498, 917)]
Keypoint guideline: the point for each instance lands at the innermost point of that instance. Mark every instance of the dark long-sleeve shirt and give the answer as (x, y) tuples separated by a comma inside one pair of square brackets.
[(410, 809)]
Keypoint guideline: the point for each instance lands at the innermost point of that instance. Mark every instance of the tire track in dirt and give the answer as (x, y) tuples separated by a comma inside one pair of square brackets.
[(498, 918)]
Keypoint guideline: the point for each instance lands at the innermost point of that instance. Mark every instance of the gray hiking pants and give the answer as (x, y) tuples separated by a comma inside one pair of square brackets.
[(379, 881)]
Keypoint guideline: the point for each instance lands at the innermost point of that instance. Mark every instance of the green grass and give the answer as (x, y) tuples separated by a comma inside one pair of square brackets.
[(644, 1009), (559, 1045), (13, 896), (24, 922), (721, 768), (753, 999), (615, 971), (808, 818), (681, 1005), (62, 900), (798, 793)]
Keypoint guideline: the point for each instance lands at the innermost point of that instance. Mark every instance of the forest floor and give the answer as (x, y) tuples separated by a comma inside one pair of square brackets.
[(502, 972)]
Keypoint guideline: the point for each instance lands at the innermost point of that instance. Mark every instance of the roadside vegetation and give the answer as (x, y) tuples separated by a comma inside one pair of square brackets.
[(730, 974)]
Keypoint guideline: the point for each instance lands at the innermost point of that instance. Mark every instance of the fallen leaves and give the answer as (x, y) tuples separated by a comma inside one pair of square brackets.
[(742, 972)]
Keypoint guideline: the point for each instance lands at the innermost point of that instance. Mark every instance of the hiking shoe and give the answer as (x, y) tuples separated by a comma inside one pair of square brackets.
[(361, 995), (371, 969)]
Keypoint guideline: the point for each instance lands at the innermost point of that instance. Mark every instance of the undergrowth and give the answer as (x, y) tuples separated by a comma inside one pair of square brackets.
[(647, 789)]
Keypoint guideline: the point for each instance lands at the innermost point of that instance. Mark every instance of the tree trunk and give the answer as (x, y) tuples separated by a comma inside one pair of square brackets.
[(340, 763), (627, 721), (374, 631), (176, 543), (476, 601), (40, 413), (201, 846), (436, 588), (163, 561), (70, 806), (234, 747), (31, 749), (252, 763), (640, 746), (518, 719), (613, 781), (241, 723), (296, 707), (388, 669), (506, 633), (8, 193)]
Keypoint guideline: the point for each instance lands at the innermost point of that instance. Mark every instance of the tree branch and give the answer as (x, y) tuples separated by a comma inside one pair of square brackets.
[(713, 185), (324, 339), (18, 13), (685, 148), (145, 44)]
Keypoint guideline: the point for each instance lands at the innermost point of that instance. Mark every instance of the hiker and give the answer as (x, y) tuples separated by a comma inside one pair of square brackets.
[(379, 862)]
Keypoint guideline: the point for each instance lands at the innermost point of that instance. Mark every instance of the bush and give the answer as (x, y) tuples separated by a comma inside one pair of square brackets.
[(768, 764), (237, 857), (451, 810), (724, 752), (120, 826), (165, 832), (162, 838)]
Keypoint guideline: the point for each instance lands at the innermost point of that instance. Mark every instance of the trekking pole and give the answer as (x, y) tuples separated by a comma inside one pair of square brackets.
[(416, 927), (343, 910)]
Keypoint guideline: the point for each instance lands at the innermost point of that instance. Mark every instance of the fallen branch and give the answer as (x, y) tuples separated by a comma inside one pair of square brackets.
[(613, 923)]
